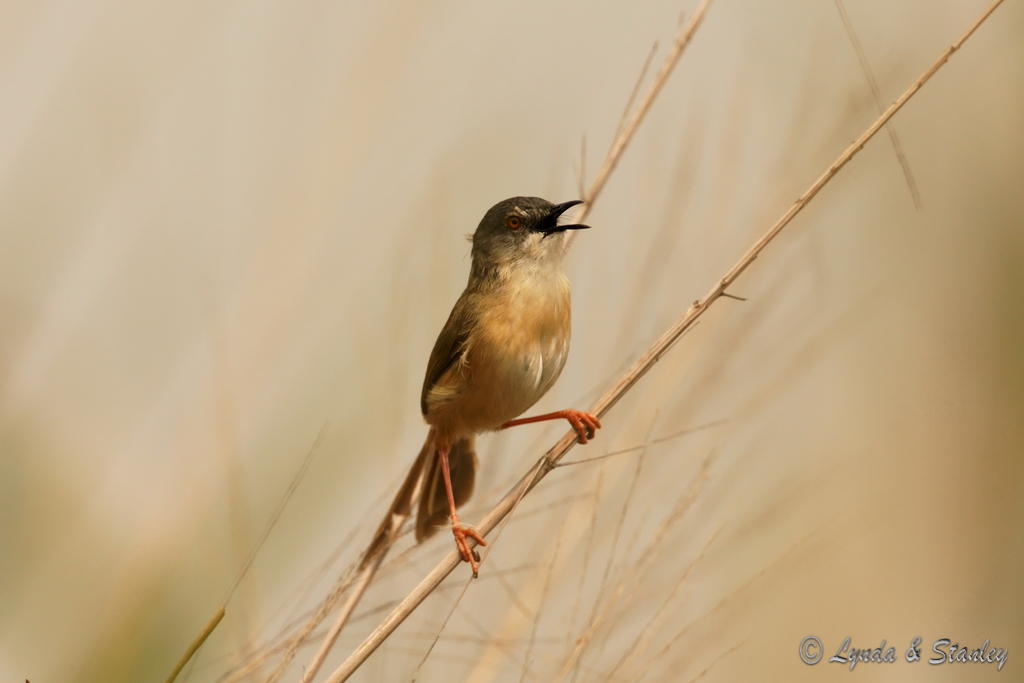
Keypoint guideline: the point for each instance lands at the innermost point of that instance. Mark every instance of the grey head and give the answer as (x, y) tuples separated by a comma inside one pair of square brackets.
[(520, 228)]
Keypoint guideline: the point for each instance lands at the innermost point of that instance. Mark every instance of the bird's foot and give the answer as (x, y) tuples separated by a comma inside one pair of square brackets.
[(461, 533), (584, 424)]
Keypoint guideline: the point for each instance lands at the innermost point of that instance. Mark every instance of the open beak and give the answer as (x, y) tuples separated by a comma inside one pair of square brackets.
[(551, 225)]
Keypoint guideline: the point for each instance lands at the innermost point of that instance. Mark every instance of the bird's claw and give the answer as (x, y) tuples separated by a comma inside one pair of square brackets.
[(461, 532), (584, 424)]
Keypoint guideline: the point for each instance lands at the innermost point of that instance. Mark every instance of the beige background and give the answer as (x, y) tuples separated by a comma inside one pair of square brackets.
[(226, 225)]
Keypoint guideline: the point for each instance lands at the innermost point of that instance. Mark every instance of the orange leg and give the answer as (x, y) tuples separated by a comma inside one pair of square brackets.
[(460, 531), (584, 424)]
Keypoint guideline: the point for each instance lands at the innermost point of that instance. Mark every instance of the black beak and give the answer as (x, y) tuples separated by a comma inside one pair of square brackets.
[(551, 226)]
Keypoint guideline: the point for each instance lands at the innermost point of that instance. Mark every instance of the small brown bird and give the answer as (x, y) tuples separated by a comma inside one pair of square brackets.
[(502, 348)]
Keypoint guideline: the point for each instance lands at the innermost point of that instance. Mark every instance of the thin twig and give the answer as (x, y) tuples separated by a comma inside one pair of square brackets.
[(466, 584), (506, 645), (650, 553), (300, 474), (586, 555), (321, 613), (346, 611), (271, 523), (876, 93), (501, 575), (734, 595), (640, 368), (291, 647), (289, 644), (369, 562), (368, 567), (628, 130), (722, 655), (196, 643), (640, 643), (543, 599), (639, 447), (621, 522), (437, 636), (636, 89), (513, 596)]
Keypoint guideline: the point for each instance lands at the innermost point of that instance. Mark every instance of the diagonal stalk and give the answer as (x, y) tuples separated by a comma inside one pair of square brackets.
[(549, 461)]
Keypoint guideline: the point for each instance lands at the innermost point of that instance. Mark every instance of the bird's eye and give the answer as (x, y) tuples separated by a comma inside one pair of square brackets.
[(514, 222)]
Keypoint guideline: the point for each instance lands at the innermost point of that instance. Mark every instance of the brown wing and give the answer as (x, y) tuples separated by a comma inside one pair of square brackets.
[(448, 348)]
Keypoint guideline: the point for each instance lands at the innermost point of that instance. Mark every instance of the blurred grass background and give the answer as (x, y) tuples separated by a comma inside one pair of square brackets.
[(225, 226)]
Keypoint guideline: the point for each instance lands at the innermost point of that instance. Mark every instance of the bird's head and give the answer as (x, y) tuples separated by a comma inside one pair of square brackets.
[(521, 229)]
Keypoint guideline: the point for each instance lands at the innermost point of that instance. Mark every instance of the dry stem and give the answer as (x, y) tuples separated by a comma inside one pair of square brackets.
[(643, 365), (876, 93), (197, 643), (627, 130)]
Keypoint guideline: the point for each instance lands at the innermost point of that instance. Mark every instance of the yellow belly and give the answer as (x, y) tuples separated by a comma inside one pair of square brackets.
[(514, 355)]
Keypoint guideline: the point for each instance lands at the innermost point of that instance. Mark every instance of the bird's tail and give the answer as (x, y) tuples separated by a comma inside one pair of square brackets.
[(433, 506), (425, 482)]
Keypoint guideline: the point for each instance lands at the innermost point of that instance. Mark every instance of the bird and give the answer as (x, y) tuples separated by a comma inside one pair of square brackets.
[(502, 348)]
